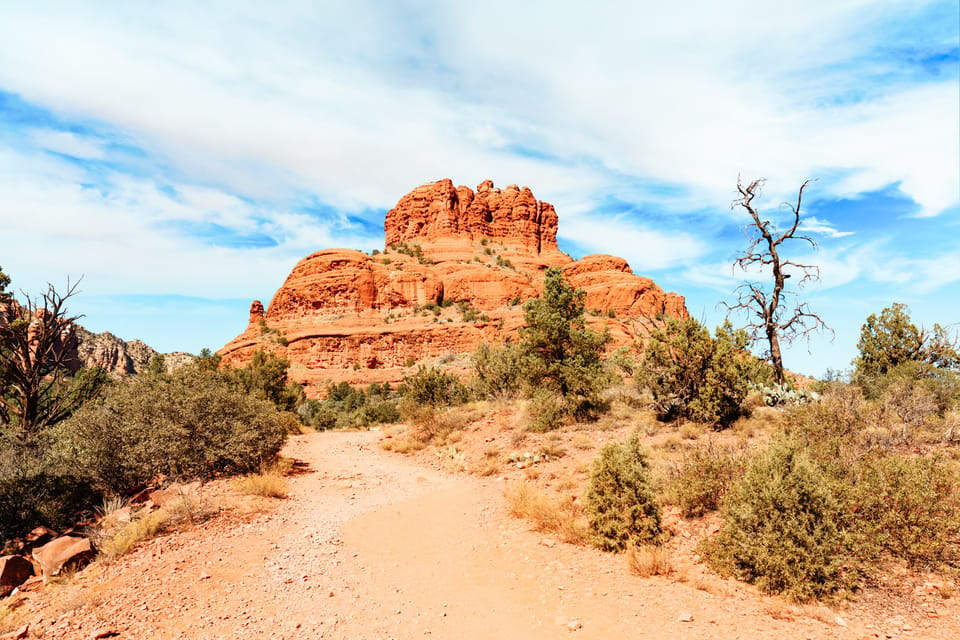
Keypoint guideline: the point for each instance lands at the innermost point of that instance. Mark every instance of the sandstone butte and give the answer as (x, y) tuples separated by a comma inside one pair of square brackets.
[(344, 315)]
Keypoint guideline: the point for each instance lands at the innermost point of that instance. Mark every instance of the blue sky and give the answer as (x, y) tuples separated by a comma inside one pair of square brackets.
[(183, 156)]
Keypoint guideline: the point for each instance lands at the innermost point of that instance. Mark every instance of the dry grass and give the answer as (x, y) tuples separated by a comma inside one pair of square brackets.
[(709, 585), (693, 430), (268, 483), (549, 514), (649, 560), (582, 442), (403, 444), (489, 465), (132, 535), (11, 617), (182, 513), (552, 447)]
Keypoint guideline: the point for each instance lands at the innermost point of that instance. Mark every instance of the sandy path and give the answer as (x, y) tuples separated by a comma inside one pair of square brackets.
[(370, 545)]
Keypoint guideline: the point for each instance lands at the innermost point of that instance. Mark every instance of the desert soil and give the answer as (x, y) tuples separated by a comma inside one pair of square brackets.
[(372, 544)]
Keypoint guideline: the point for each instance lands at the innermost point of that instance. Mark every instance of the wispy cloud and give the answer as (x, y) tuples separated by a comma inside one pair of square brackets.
[(812, 224)]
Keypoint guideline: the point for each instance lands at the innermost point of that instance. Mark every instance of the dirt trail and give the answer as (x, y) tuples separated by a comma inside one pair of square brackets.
[(370, 545)]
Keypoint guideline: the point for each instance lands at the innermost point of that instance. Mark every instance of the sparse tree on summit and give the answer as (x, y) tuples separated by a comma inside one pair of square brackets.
[(775, 310)]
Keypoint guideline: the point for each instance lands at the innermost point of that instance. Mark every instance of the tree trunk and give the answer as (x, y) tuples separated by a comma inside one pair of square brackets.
[(775, 357)]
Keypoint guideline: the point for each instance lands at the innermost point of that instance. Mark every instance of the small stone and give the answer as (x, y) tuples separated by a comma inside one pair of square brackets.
[(104, 633), (574, 625), (686, 617), (839, 621)]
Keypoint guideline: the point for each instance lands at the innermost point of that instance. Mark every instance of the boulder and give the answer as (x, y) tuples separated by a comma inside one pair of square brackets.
[(14, 571), (38, 537), (65, 551)]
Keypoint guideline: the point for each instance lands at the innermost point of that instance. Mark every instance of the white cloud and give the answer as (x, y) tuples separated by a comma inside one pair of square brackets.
[(68, 143), (645, 249), (814, 225), (352, 105)]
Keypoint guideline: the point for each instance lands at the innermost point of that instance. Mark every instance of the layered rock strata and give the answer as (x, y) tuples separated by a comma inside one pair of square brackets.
[(456, 270)]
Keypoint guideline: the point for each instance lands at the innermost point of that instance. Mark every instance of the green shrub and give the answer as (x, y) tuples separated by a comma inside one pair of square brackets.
[(190, 423), (378, 412), (38, 490), (619, 502), (703, 479), (499, 371), (695, 376), (908, 508), (265, 376), (780, 526), (841, 412), (546, 411), (434, 388), (316, 414)]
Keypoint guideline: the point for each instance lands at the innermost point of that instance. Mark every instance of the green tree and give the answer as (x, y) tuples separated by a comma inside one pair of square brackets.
[(563, 354), (693, 375), (4, 283), (266, 376), (891, 339)]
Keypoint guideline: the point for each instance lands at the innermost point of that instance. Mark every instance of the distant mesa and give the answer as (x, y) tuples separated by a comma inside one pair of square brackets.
[(457, 266)]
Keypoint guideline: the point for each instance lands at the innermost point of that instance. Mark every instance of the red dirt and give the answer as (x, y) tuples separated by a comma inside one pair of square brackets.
[(373, 545)]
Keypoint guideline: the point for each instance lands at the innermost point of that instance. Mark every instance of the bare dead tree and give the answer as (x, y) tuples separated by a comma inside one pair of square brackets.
[(38, 343), (775, 310)]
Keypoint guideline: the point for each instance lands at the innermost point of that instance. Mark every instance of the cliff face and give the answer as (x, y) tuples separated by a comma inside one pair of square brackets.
[(83, 348), (438, 210), (457, 267)]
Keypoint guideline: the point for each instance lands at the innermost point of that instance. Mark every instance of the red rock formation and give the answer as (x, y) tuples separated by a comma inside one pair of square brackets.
[(438, 210), (467, 261)]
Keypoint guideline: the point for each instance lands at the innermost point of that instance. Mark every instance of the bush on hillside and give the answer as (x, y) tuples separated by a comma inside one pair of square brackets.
[(703, 478), (499, 371), (346, 407), (265, 376), (695, 376), (781, 526), (896, 355), (906, 508), (619, 501), (34, 490), (433, 387), (190, 423)]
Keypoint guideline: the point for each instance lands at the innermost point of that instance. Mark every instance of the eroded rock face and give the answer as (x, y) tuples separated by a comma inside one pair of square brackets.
[(440, 210), (467, 263)]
